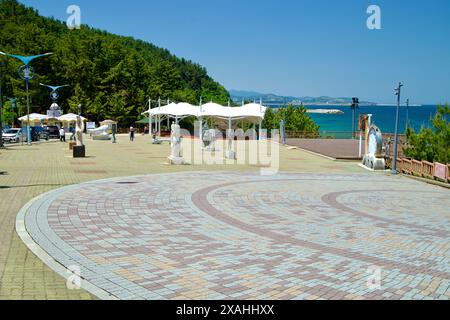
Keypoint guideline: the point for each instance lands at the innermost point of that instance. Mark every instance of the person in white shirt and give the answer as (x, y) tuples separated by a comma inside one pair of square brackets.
[(62, 135)]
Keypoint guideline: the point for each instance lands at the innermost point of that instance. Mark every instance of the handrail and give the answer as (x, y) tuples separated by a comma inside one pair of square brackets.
[(423, 168)]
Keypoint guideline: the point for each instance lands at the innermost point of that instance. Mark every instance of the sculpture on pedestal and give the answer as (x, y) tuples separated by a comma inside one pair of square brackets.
[(175, 144), (373, 159), (209, 140), (79, 151), (79, 131)]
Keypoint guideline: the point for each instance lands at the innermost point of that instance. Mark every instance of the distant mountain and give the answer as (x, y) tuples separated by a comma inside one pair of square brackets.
[(238, 95)]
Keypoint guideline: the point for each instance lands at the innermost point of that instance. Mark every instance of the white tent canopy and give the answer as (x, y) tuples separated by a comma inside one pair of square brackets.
[(70, 117), (34, 117), (253, 110), (174, 110)]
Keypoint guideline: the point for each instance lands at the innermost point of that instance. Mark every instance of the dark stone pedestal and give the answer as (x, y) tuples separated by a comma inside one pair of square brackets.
[(79, 151)]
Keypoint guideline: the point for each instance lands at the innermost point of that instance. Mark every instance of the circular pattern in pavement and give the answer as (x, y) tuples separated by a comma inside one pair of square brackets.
[(244, 236)]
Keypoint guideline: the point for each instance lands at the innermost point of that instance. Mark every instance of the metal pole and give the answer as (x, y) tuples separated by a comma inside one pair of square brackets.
[(230, 139), (28, 112), (398, 93), (1, 109), (360, 144), (158, 125), (150, 120), (407, 113), (353, 120), (200, 136)]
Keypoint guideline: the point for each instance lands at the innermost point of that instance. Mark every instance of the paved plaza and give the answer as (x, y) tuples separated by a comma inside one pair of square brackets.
[(137, 228)]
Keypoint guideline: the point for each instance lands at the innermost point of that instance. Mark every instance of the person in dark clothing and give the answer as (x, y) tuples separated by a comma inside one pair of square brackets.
[(132, 134)]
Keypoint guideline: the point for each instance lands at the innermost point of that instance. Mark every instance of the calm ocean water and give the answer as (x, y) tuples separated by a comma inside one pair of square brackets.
[(383, 117)]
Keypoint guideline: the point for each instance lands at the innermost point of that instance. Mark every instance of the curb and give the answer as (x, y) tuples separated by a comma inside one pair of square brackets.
[(47, 259)]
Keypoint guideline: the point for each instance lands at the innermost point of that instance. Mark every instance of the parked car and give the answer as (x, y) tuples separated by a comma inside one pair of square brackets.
[(52, 132), (12, 135), (35, 134)]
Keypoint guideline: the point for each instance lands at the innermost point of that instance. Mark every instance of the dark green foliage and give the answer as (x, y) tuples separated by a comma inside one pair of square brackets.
[(297, 119), (112, 76), (431, 144), (9, 115)]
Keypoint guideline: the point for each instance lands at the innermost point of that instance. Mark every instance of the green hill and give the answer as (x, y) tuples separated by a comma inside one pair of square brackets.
[(111, 75)]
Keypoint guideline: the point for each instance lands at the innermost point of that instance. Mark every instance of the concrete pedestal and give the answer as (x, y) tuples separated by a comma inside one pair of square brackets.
[(177, 161), (230, 155), (79, 151), (71, 145), (372, 162)]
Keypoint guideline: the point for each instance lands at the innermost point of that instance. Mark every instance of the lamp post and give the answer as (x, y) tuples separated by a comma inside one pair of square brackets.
[(54, 94), (26, 72), (398, 91)]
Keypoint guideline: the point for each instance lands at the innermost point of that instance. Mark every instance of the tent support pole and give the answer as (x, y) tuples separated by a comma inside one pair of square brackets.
[(260, 130), (200, 134), (150, 120)]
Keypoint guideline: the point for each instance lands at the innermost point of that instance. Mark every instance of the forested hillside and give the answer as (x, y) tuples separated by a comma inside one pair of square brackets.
[(112, 76)]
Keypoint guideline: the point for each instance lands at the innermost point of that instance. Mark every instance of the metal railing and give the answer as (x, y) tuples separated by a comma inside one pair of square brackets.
[(425, 169)]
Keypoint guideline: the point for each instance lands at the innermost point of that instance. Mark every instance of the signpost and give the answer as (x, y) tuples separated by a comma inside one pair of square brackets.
[(398, 91)]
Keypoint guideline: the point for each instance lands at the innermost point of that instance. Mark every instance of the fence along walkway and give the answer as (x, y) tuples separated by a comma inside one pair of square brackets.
[(425, 169)]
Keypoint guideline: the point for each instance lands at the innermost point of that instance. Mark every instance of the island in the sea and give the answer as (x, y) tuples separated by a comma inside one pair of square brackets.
[(274, 100), (326, 111)]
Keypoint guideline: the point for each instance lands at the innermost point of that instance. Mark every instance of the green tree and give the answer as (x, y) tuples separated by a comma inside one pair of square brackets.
[(112, 76), (431, 144), (269, 121), (9, 115), (297, 119)]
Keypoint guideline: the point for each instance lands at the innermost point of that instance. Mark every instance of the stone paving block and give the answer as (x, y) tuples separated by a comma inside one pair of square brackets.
[(304, 230)]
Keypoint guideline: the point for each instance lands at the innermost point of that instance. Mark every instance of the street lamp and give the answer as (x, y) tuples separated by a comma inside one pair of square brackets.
[(26, 72), (54, 94), (398, 91), (55, 110)]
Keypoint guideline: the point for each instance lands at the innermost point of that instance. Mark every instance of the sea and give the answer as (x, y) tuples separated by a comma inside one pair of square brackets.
[(382, 116)]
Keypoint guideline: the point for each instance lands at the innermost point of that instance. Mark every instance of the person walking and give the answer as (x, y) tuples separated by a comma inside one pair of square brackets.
[(132, 134), (62, 135), (72, 131)]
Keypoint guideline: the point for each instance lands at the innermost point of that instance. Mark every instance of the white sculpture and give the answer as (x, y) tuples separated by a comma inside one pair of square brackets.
[(209, 140), (79, 131), (175, 143), (374, 149), (101, 133)]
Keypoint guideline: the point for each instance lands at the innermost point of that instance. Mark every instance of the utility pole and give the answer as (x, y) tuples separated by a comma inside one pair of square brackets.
[(398, 94)]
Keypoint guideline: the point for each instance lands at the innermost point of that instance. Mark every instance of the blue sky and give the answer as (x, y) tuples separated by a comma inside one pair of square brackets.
[(292, 47)]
